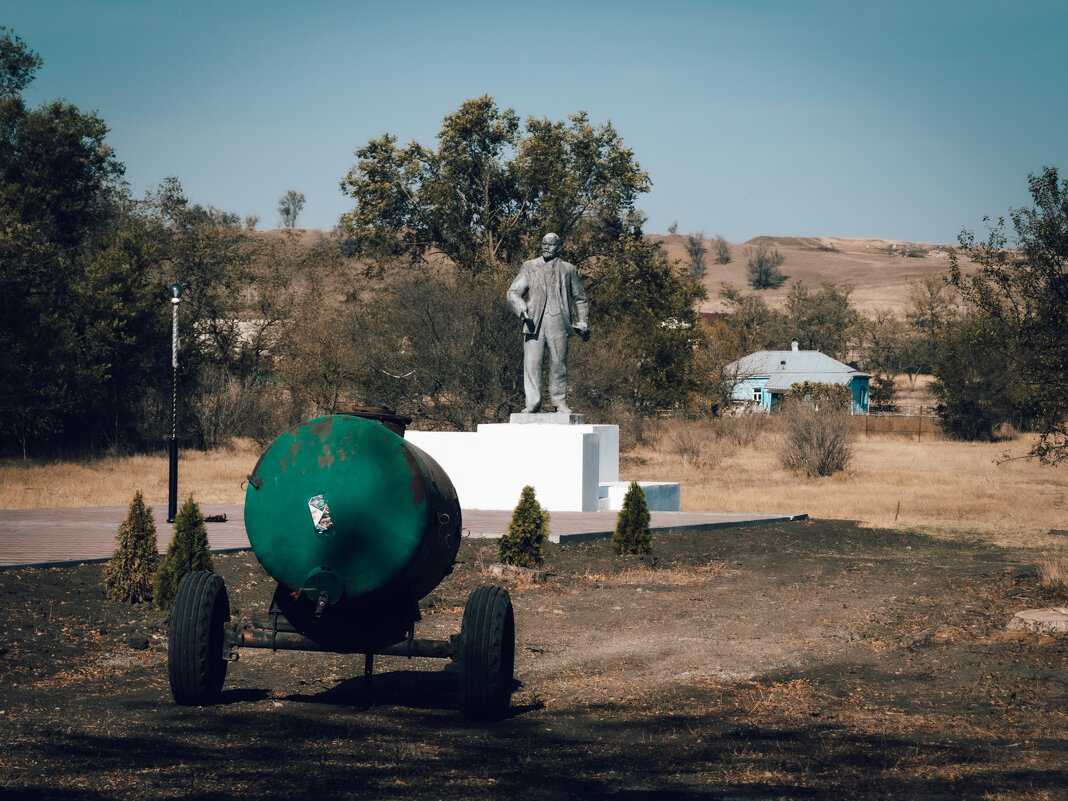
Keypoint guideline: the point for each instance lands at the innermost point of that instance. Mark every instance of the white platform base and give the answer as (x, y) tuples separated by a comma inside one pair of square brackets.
[(660, 496), (572, 467), (546, 418)]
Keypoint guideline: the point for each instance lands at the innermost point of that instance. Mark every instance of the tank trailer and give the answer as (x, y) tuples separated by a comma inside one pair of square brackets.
[(356, 525)]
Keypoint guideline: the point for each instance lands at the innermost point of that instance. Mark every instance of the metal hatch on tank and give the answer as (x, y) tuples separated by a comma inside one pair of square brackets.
[(356, 525)]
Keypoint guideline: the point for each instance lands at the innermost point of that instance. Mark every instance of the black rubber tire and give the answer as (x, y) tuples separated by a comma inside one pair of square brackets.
[(487, 654), (194, 655)]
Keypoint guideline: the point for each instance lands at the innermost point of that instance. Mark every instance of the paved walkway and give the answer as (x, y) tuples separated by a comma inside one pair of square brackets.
[(81, 534)]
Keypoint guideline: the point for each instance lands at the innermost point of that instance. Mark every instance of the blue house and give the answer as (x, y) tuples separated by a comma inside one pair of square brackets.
[(764, 377)]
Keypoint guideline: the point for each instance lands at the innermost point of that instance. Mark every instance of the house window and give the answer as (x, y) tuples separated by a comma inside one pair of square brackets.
[(758, 394)]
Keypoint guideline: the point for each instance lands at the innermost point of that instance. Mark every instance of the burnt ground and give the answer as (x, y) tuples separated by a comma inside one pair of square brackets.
[(800, 660)]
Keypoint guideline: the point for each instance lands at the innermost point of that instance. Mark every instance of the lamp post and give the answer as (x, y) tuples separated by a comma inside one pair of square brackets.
[(172, 497)]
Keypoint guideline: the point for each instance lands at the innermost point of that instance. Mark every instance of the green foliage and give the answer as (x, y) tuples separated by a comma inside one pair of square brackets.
[(824, 320), (632, 534), (58, 182), (883, 393), (1021, 294), (524, 544), (128, 576), (815, 442), (695, 252), (488, 193), (931, 310), (440, 348), (976, 383), (885, 340), (187, 552), (17, 63), (755, 325), (822, 396), (763, 266), (652, 352), (721, 250)]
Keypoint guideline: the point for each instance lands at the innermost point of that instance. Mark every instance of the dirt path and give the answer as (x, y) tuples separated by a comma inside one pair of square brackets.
[(802, 660)]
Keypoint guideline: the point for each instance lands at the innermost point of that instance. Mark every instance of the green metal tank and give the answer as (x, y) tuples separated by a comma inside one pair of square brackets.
[(348, 516)]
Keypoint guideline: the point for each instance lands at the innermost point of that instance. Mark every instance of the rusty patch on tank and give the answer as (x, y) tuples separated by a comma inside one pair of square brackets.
[(321, 427), (417, 483), (327, 457), (291, 457)]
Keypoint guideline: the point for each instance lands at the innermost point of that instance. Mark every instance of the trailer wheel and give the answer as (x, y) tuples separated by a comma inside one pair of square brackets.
[(195, 661), (487, 654)]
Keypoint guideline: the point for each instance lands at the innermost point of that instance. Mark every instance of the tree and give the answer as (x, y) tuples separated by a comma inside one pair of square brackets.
[(17, 63), (976, 383), (824, 320), (632, 534), (122, 318), (886, 341), (763, 268), (440, 347), (1021, 293), (290, 206), (128, 576), (932, 307), (528, 531), (755, 325), (187, 552), (646, 346), (695, 251), (721, 249), (59, 181), (883, 394), (469, 211), (485, 196)]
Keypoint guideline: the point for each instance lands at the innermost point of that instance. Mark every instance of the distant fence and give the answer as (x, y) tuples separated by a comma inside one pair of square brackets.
[(917, 425)]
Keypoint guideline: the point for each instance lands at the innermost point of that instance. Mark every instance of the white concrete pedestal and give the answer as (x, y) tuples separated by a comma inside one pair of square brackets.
[(572, 467)]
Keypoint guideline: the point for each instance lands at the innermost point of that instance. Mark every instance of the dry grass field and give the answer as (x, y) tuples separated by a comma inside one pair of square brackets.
[(955, 489), (881, 280), (962, 490), (212, 477)]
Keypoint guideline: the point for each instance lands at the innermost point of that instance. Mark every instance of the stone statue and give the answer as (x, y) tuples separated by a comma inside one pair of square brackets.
[(542, 295)]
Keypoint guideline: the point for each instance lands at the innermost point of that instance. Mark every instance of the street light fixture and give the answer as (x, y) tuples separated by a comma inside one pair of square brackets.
[(172, 498)]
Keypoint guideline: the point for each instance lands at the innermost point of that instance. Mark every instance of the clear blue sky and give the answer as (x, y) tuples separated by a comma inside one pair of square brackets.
[(903, 120)]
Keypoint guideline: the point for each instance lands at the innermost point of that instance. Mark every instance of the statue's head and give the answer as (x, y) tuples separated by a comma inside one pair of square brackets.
[(550, 246)]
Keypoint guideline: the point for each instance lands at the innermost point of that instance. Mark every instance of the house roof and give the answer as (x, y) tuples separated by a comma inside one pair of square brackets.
[(784, 368)]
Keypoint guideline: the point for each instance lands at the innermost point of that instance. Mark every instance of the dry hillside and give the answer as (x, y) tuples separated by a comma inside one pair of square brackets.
[(877, 268)]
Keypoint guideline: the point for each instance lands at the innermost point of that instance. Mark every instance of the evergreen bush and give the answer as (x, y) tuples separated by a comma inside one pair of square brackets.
[(128, 576), (632, 534), (524, 544), (187, 553)]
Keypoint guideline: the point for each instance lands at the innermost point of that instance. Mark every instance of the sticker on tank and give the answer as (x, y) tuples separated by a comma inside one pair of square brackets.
[(320, 514)]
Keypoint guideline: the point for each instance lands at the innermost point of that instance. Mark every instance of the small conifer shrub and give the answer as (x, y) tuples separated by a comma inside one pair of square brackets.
[(524, 544), (187, 553), (128, 576), (632, 534)]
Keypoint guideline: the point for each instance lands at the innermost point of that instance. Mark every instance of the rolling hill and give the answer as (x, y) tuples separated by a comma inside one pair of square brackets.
[(878, 269)]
